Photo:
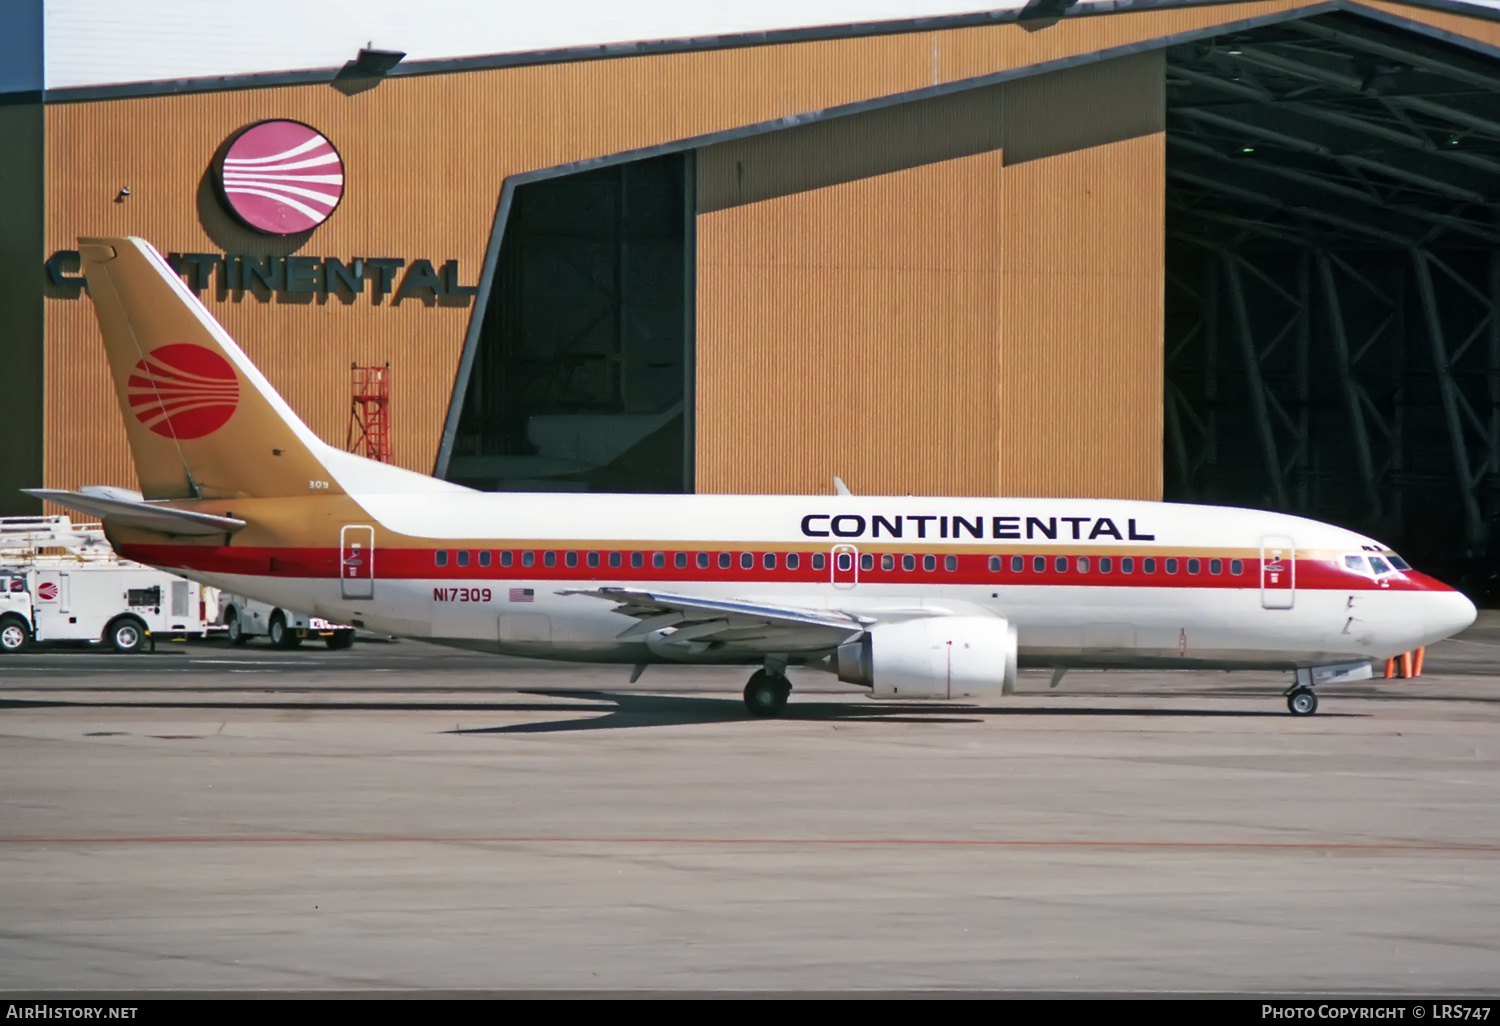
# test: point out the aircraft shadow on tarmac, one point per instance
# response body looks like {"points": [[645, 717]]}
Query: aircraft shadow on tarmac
{"points": [[632, 710], [627, 710]]}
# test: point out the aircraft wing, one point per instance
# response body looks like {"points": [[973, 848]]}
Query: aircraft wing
{"points": [[695, 624], [139, 513]]}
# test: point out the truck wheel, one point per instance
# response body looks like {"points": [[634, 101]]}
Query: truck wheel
{"points": [[127, 634], [237, 635], [281, 635], [14, 637], [339, 639]]}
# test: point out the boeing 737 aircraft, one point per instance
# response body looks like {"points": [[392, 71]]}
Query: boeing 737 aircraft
{"points": [[909, 597]]}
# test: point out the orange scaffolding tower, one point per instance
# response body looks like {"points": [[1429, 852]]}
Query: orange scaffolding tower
{"points": [[370, 412]]}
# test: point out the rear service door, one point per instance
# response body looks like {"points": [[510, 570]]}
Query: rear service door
{"points": [[357, 562], [1278, 572]]}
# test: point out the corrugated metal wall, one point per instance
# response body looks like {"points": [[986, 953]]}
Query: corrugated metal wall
{"points": [[986, 324], [425, 158]]}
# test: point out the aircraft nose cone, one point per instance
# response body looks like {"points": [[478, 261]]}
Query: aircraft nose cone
{"points": [[1450, 613]]}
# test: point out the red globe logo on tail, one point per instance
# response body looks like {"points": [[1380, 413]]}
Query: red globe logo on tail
{"points": [[183, 391]]}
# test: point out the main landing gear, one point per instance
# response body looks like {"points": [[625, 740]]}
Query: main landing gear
{"points": [[766, 693], [1301, 701]]}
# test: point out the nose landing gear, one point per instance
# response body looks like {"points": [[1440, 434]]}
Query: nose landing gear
{"points": [[1301, 701], [766, 693]]}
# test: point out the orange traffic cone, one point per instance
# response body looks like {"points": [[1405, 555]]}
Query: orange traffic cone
{"points": [[1390, 668], [1417, 662], [1406, 664]]}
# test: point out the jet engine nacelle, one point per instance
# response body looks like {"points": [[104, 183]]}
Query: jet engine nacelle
{"points": [[935, 657]]}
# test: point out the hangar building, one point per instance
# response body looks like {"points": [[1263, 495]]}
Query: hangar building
{"points": [[1233, 252]]}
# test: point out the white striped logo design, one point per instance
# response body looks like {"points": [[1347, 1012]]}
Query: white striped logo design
{"points": [[281, 177]]}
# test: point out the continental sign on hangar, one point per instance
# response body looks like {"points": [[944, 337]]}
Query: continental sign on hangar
{"points": [[666, 251]]}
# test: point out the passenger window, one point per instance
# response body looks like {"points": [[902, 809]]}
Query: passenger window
{"points": [[463, 557], [887, 562], [929, 562], [1236, 567], [505, 558], [867, 562], [747, 560], [1216, 566], [658, 559], [994, 564], [844, 561], [1193, 566], [1083, 564], [615, 559], [769, 561], [571, 559], [703, 561], [1039, 564], [1127, 565], [1060, 564], [484, 558], [1017, 564], [1106, 564], [528, 558], [1171, 565], [724, 560], [819, 562], [593, 559], [793, 561], [637, 560], [680, 560], [549, 558], [1148, 565], [440, 557], [950, 563]]}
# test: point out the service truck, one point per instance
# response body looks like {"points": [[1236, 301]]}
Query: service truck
{"points": [[246, 618], [62, 582]]}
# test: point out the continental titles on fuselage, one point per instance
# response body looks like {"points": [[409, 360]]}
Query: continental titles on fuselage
{"points": [[959, 528]]}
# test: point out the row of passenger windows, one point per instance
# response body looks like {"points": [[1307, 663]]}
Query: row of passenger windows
{"points": [[1109, 564], [680, 560], [844, 561]]}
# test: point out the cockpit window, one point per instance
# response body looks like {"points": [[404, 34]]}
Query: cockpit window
{"points": [[1379, 565], [1355, 563], [1397, 562]]}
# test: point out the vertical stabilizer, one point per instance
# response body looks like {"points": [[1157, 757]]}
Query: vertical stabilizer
{"points": [[202, 421]]}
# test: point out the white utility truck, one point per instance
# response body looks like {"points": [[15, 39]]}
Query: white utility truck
{"points": [[246, 618], [62, 582]]}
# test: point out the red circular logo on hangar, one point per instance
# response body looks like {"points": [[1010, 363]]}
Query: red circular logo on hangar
{"points": [[47, 591], [281, 177], [183, 391]]}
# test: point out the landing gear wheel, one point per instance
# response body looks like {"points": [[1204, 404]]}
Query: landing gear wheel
{"points": [[237, 635], [281, 635], [1302, 701], [126, 635], [13, 635], [766, 693]]}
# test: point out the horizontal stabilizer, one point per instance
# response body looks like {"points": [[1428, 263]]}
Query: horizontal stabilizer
{"points": [[148, 516]]}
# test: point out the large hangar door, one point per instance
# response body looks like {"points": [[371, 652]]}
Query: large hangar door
{"points": [[581, 375], [1331, 334]]}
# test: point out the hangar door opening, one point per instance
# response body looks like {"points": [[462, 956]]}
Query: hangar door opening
{"points": [[581, 379], [1332, 342]]}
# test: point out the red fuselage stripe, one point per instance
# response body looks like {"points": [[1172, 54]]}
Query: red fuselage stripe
{"points": [[971, 568]]}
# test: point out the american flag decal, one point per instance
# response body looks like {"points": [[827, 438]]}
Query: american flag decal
{"points": [[281, 177], [522, 595]]}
